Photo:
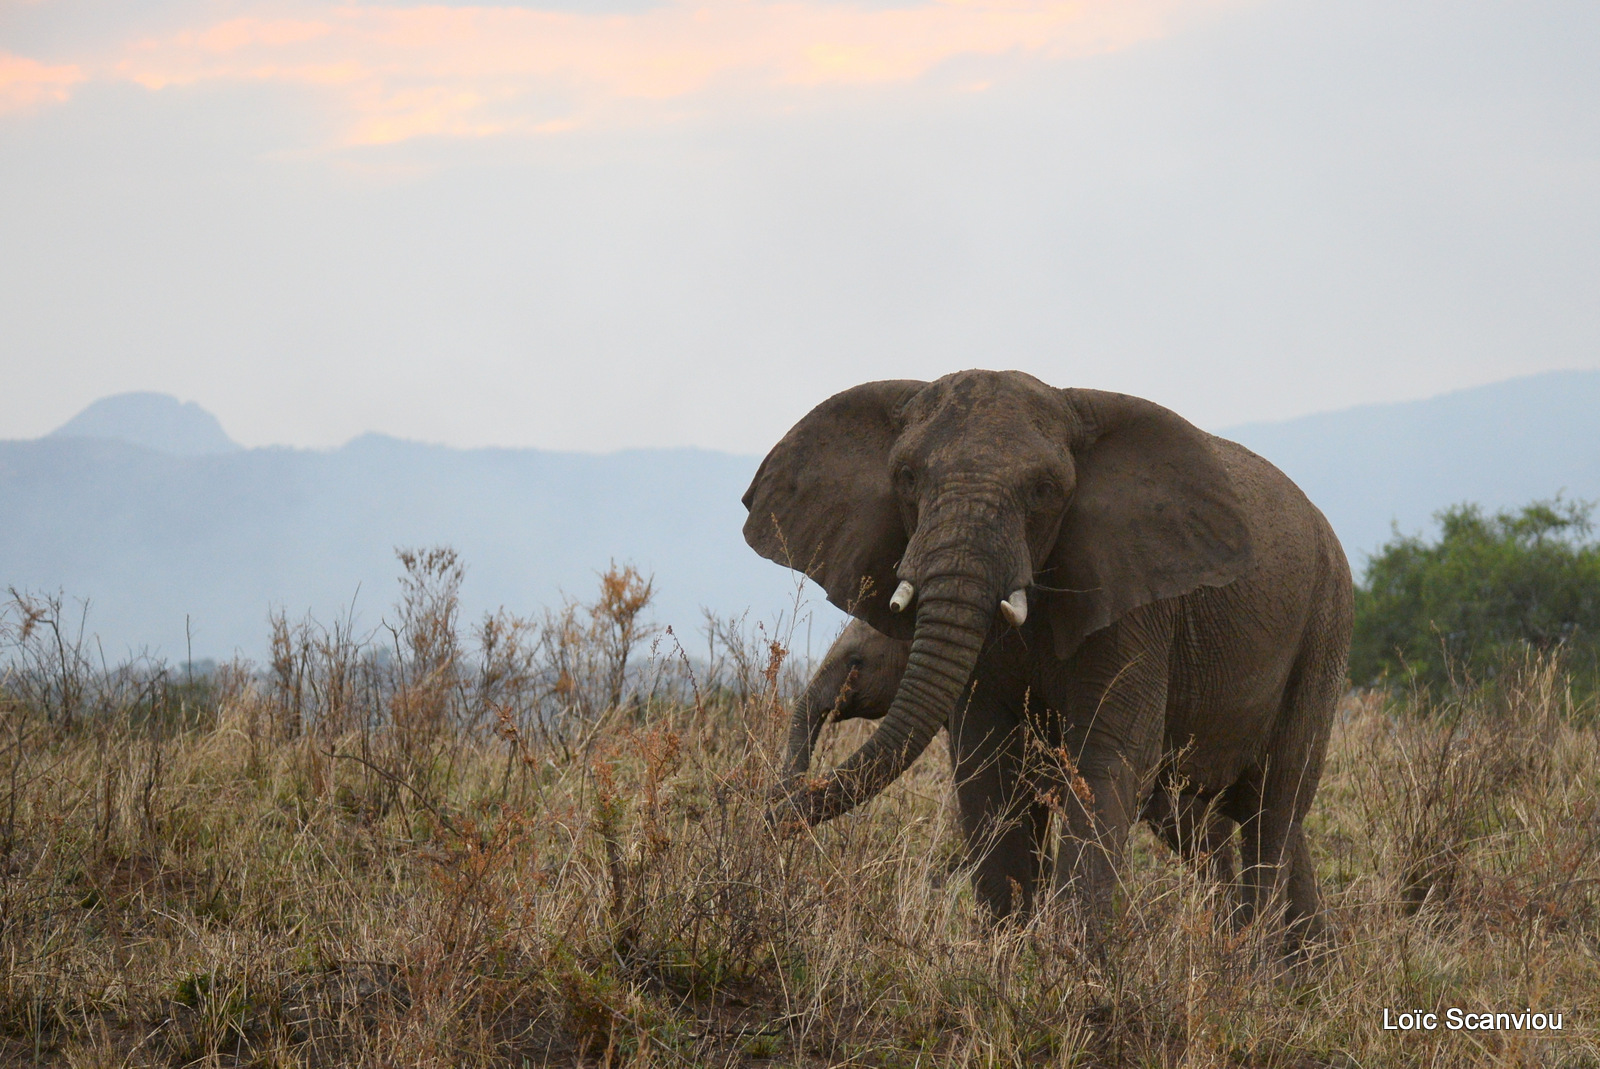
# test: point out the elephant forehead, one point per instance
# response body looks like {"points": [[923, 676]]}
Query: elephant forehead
{"points": [[992, 416]]}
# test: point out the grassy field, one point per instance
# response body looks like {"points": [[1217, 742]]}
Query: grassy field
{"points": [[540, 842]]}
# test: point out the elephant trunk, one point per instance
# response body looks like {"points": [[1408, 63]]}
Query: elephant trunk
{"points": [[825, 694], [954, 612]]}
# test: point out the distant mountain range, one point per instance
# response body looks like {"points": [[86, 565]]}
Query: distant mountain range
{"points": [[145, 507], [202, 528], [1376, 467]]}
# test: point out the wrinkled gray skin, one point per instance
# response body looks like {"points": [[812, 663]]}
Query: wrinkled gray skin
{"points": [[1183, 648]]}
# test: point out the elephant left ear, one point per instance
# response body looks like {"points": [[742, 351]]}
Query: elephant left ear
{"points": [[1155, 515]]}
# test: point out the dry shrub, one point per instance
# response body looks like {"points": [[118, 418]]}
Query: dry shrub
{"points": [[530, 843]]}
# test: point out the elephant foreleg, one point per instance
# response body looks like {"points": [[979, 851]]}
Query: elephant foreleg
{"points": [[1003, 825], [1112, 720], [1095, 812]]}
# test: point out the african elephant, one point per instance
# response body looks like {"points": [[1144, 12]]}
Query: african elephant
{"points": [[1105, 606]]}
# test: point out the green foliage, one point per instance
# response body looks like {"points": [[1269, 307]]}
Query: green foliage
{"points": [[1488, 589]]}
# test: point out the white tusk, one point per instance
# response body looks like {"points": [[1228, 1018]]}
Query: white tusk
{"points": [[902, 596], [1015, 608]]}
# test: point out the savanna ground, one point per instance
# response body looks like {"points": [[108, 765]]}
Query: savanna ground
{"points": [[540, 842]]}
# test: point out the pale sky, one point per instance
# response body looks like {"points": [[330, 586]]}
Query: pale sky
{"points": [[600, 224]]}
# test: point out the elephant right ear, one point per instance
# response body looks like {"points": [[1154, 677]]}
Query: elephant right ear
{"points": [[823, 502]]}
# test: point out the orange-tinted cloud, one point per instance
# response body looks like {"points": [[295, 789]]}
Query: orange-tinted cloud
{"points": [[26, 83], [408, 72]]}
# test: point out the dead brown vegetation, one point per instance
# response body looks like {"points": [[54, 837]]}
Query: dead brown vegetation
{"points": [[540, 842]]}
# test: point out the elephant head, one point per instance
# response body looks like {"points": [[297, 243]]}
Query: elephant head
{"points": [[858, 677], [938, 511]]}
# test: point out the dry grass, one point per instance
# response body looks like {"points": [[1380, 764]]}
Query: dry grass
{"points": [[517, 847]]}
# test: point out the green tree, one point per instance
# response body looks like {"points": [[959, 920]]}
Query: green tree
{"points": [[1489, 588]]}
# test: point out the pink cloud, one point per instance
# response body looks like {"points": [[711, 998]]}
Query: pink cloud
{"points": [[470, 72]]}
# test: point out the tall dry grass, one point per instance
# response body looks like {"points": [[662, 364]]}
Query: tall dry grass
{"points": [[538, 842]]}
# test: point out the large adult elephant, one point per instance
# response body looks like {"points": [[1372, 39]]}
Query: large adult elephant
{"points": [[1105, 606]]}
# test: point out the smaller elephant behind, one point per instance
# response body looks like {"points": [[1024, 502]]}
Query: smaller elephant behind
{"points": [[857, 679]]}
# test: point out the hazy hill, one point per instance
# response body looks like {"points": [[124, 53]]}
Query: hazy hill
{"points": [[156, 420], [222, 534], [150, 536], [1499, 445]]}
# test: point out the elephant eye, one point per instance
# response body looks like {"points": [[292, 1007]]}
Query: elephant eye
{"points": [[1045, 491], [905, 480]]}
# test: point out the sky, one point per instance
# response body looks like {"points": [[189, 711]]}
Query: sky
{"points": [[605, 224]]}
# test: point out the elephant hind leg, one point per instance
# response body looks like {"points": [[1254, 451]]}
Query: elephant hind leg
{"points": [[1306, 925], [1271, 801], [1272, 848]]}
